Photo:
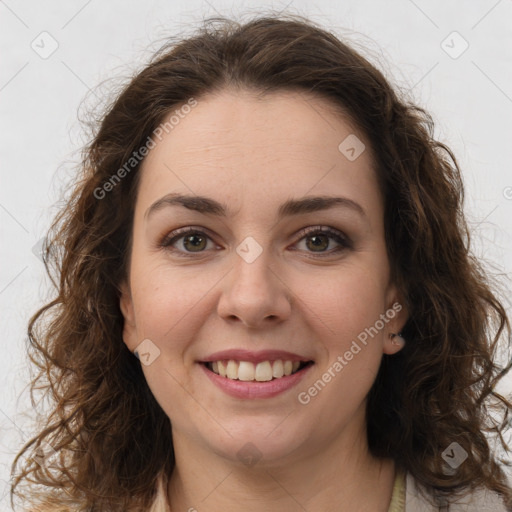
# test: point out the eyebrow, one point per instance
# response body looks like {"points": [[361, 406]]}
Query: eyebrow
{"points": [[209, 206]]}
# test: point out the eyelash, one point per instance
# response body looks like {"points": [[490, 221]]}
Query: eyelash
{"points": [[339, 237]]}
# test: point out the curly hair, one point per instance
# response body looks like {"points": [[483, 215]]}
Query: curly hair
{"points": [[112, 439]]}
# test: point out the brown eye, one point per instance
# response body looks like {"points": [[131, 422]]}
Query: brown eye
{"points": [[185, 241], [194, 242], [318, 239], [318, 242]]}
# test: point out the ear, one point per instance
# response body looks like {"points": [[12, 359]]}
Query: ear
{"points": [[397, 315], [126, 306]]}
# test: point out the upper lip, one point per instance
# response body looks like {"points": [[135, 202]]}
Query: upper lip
{"points": [[254, 357]]}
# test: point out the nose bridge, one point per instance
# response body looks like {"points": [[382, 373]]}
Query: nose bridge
{"points": [[253, 292], [252, 266]]}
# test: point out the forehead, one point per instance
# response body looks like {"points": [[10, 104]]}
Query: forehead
{"points": [[242, 147]]}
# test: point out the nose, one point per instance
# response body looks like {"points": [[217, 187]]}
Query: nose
{"points": [[255, 294]]}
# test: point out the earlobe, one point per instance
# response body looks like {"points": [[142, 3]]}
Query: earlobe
{"points": [[394, 343]]}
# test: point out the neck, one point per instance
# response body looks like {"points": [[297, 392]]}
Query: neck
{"points": [[342, 477]]}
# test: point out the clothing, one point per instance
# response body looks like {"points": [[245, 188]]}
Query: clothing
{"points": [[481, 500], [406, 497], [398, 496]]}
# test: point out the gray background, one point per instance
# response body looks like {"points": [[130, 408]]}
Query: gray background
{"points": [[468, 92]]}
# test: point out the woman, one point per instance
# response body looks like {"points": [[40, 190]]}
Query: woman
{"points": [[266, 297]]}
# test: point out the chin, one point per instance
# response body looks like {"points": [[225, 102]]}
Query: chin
{"points": [[263, 445]]}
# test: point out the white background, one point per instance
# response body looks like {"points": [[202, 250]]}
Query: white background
{"points": [[469, 96]]}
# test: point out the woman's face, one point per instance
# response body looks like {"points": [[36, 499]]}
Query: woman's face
{"points": [[256, 277]]}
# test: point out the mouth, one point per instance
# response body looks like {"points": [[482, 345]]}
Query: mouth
{"points": [[263, 371]]}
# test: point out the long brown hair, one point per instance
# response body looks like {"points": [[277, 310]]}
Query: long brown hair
{"points": [[110, 435]]}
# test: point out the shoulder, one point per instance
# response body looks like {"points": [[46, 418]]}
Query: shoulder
{"points": [[481, 500]]}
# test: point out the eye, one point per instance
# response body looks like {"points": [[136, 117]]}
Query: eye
{"points": [[319, 237], [195, 240]]}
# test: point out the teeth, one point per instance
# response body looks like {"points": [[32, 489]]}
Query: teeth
{"points": [[247, 371], [277, 369], [263, 371], [222, 368], [232, 369]]}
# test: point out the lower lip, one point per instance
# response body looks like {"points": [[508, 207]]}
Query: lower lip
{"points": [[254, 389]]}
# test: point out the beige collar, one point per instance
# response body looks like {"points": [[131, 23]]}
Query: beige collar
{"points": [[479, 501], [482, 500]]}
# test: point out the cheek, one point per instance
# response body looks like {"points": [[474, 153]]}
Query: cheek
{"points": [[166, 298], [170, 311], [347, 309], [345, 302]]}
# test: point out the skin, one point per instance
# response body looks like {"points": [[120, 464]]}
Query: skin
{"points": [[252, 154]]}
